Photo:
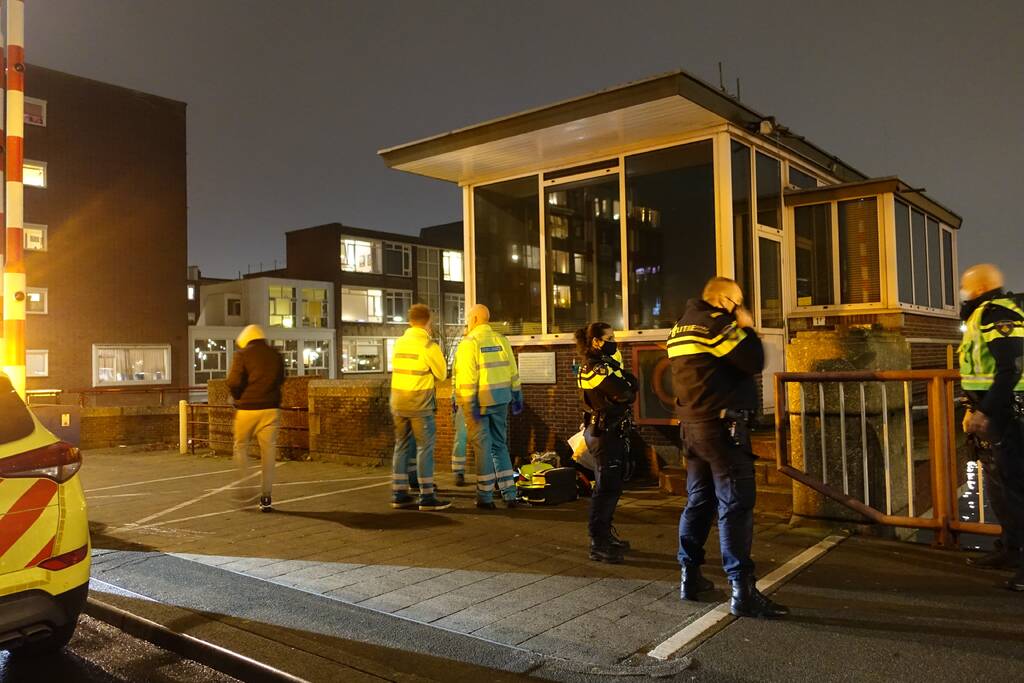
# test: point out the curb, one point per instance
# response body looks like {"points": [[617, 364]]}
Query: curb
{"points": [[189, 647]]}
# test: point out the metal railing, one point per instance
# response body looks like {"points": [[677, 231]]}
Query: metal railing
{"points": [[161, 392], [199, 428], [857, 439]]}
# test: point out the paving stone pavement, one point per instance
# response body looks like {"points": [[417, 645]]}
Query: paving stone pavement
{"points": [[520, 578]]}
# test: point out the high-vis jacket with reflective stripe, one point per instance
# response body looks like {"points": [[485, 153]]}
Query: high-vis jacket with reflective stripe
{"points": [[416, 365], [606, 387], [486, 370], [713, 363], [992, 352]]}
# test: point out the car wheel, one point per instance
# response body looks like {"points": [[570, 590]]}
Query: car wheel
{"points": [[52, 644]]}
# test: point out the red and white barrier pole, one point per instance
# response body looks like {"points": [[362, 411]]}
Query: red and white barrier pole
{"points": [[14, 263], [3, 141]]}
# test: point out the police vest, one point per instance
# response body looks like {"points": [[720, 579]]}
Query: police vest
{"points": [[412, 380], [486, 368], [977, 366]]}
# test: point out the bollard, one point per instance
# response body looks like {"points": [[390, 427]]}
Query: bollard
{"points": [[183, 427]]}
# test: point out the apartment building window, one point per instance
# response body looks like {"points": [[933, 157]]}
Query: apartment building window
{"points": [[289, 350], [34, 237], [282, 306], [362, 354], [127, 364], [191, 317], [924, 259], [362, 305], [396, 305], [37, 363], [428, 277], [210, 359], [36, 300], [316, 356], [454, 309], [190, 292], [359, 256], [234, 307], [34, 173], [35, 112], [314, 307], [397, 259], [451, 266]]}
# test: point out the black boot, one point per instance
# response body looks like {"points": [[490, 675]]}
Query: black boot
{"points": [[692, 583], [999, 558], [616, 542], [603, 551], [747, 601]]}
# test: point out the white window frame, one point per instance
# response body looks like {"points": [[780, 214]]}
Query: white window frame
{"points": [[229, 346], [46, 361], [45, 291], [44, 229], [270, 310], [368, 292], [43, 104], [36, 164], [392, 295], [325, 306], [459, 300], [446, 265], [166, 348], [375, 255], [892, 199], [406, 250], [381, 348], [325, 357], [234, 299]]}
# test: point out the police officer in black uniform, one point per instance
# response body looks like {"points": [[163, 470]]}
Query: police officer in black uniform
{"points": [[991, 359], [608, 392], [715, 354]]}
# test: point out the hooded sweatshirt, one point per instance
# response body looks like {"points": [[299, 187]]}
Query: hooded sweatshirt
{"points": [[257, 372]]}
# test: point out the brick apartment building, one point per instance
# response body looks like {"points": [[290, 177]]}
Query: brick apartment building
{"points": [[105, 235], [376, 276]]}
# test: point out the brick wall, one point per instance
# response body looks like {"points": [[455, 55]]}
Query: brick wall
{"points": [[108, 427], [219, 415]]}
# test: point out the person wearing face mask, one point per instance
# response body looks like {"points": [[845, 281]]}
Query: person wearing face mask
{"points": [[608, 392], [991, 357], [715, 355]]}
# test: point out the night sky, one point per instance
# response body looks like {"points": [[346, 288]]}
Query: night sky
{"points": [[289, 100]]}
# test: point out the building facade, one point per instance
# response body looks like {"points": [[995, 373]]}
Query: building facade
{"points": [[375, 277], [296, 316], [105, 235], [619, 206]]}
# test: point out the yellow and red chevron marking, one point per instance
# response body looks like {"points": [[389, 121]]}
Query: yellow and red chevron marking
{"points": [[28, 522]]}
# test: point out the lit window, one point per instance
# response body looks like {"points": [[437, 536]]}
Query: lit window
{"points": [[34, 173], [117, 364], [451, 262], [190, 291], [361, 305], [35, 111], [396, 305], [562, 296], [362, 354], [289, 350], [314, 307], [560, 261], [34, 237], [316, 356], [210, 359], [35, 300], [282, 306], [234, 307], [37, 363], [389, 352], [397, 259], [359, 256]]}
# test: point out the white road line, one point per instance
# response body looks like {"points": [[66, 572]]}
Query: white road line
{"points": [[720, 612], [154, 481], [118, 495], [278, 485], [136, 527], [174, 508]]}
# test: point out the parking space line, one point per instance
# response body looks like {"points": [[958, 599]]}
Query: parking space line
{"points": [[694, 630], [136, 527], [257, 473], [154, 481]]}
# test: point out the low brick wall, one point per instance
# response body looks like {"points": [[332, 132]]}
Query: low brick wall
{"points": [[293, 438], [129, 426]]}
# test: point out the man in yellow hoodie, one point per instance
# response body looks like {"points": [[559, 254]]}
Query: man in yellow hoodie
{"points": [[417, 365]]}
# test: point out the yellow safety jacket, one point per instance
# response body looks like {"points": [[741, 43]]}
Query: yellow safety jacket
{"points": [[416, 365], [977, 364], [486, 370]]}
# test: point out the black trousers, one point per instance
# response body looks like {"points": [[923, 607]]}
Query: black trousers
{"points": [[609, 451], [1004, 479]]}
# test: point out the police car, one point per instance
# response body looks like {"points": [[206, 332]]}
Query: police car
{"points": [[44, 533]]}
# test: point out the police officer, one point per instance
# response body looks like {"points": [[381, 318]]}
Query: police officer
{"points": [[608, 392], [991, 355], [487, 382], [715, 354], [417, 365]]}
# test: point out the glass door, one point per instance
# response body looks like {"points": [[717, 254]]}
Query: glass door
{"points": [[770, 315], [583, 246]]}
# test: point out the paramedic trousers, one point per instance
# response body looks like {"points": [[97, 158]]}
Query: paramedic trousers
{"points": [[414, 438], [609, 451], [488, 435], [459, 447], [260, 425], [719, 477]]}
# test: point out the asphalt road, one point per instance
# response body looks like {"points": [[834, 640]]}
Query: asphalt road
{"points": [[99, 653]]}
